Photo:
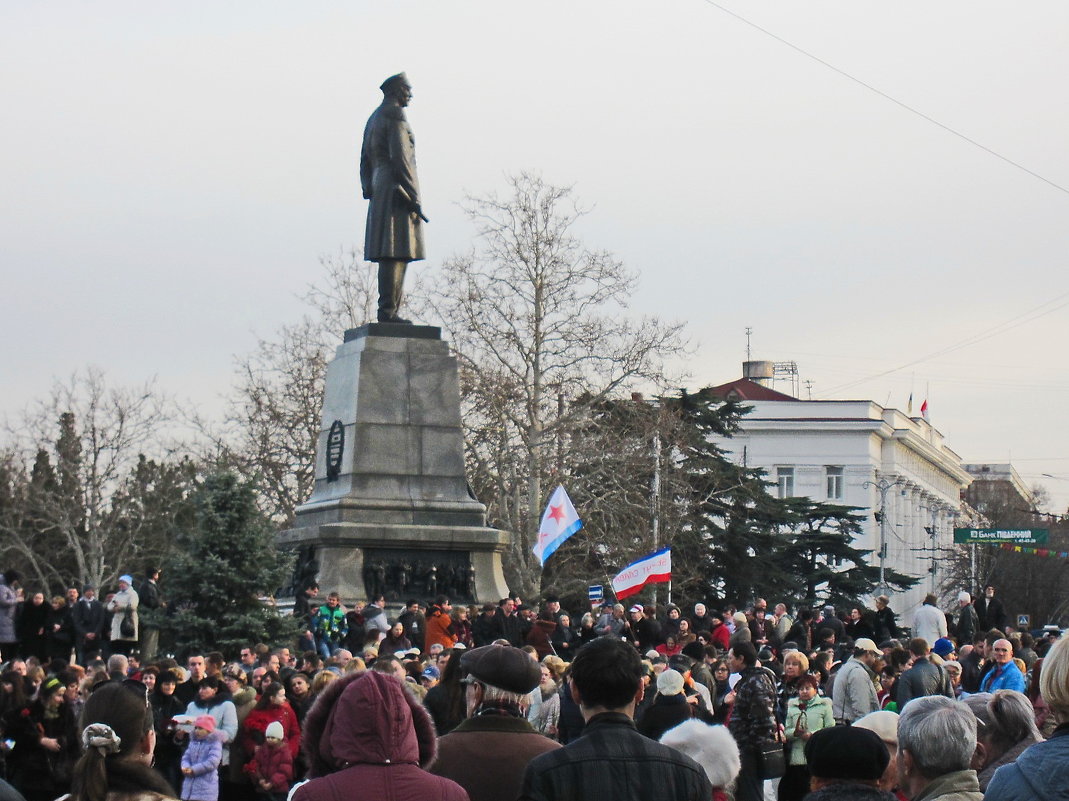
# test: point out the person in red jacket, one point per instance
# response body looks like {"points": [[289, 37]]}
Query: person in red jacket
{"points": [[366, 739], [439, 625], [271, 707], [271, 768]]}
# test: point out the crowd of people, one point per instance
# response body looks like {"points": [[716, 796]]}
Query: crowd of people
{"points": [[515, 700]]}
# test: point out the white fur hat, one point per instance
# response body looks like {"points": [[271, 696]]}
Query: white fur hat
{"points": [[712, 747]]}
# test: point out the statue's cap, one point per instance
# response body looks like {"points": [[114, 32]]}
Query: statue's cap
{"points": [[391, 83]]}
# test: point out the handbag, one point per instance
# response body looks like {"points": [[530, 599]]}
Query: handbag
{"points": [[772, 759], [126, 625]]}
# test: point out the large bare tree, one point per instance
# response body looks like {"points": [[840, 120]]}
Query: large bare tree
{"points": [[540, 326], [102, 491]]}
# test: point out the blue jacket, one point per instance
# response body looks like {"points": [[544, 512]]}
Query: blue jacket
{"points": [[1041, 773], [203, 758], [1011, 678]]}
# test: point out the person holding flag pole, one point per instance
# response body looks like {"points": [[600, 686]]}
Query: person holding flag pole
{"points": [[559, 522]]}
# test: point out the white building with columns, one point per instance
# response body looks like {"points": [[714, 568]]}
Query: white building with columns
{"points": [[857, 453]]}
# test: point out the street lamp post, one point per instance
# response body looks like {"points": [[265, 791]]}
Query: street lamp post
{"points": [[883, 486]]}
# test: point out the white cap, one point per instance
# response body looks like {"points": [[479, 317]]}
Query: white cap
{"points": [[865, 644], [964, 596], [274, 729], [670, 682]]}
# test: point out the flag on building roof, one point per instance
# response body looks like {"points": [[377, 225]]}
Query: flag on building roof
{"points": [[909, 405], [656, 568], [924, 410], [559, 521]]}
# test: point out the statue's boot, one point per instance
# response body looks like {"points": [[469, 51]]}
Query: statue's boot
{"points": [[391, 289]]}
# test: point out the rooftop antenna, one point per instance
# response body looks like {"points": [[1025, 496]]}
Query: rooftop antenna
{"points": [[809, 388], [748, 332]]}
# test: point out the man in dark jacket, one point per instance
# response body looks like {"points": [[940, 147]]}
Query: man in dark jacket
{"points": [[753, 721], [968, 622], [148, 593], [507, 624], [990, 611], [924, 678], [884, 625], [87, 617], [612, 761], [488, 753]]}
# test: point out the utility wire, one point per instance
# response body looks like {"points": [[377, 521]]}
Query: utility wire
{"points": [[1001, 328], [886, 96]]}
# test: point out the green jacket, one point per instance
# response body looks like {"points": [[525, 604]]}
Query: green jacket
{"points": [[330, 624], [816, 716]]}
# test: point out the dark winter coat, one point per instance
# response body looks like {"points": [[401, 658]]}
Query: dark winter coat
{"points": [[88, 618], [613, 762], [483, 629], [565, 642], [508, 627], [487, 756], [668, 711], [753, 721], [32, 627], [365, 739], [924, 678], [60, 632]]}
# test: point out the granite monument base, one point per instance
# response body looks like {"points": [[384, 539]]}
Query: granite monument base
{"points": [[391, 511]]}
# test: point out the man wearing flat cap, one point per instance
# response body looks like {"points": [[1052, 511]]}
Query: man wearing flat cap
{"points": [[488, 753], [846, 763], [394, 233]]}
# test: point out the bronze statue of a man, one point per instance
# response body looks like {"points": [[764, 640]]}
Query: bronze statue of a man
{"points": [[394, 234]]}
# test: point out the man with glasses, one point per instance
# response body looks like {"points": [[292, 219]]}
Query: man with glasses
{"points": [[248, 660], [488, 753]]}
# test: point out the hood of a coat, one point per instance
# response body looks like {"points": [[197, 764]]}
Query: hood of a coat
{"points": [[371, 721]]}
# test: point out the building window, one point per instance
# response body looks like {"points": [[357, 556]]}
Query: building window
{"points": [[785, 481], [835, 483]]}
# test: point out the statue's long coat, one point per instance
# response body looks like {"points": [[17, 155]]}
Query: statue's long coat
{"points": [[388, 179]]}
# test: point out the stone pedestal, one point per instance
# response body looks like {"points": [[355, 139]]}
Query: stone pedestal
{"points": [[391, 509]]}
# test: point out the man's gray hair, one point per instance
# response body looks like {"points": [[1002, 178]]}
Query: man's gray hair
{"points": [[497, 695], [117, 663], [939, 733]]}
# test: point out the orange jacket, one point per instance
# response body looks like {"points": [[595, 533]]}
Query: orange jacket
{"points": [[438, 629]]}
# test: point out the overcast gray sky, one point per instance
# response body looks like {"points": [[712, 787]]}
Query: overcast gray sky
{"points": [[173, 172]]}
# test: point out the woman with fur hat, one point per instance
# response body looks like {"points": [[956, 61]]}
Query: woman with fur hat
{"points": [[366, 738]]}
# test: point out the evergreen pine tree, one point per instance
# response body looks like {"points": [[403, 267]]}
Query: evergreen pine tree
{"points": [[221, 571]]}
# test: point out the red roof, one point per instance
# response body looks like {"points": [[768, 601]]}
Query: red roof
{"points": [[745, 389]]}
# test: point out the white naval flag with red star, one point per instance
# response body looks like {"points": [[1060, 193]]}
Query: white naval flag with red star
{"points": [[559, 521]]}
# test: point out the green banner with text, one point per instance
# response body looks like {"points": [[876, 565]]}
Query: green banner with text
{"points": [[1017, 536]]}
